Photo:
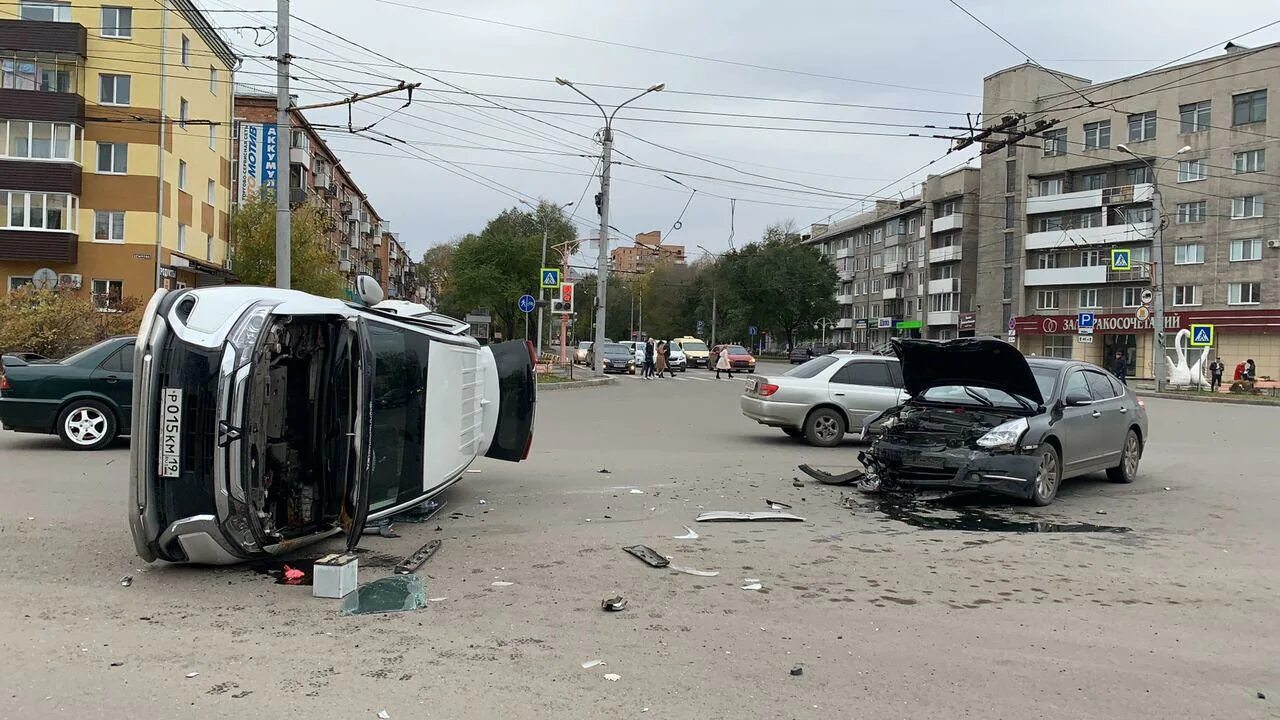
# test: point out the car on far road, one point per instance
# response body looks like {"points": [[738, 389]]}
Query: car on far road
{"points": [[806, 353], [695, 351], [980, 416], [739, 357], [617, 358], [86, 399], [583, 350], [826, 397]]}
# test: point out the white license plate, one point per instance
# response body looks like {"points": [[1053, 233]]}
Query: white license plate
{"points": [[170, 431]]}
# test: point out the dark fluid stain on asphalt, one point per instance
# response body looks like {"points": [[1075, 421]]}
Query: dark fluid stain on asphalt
{"points": [[279, 569], [948, 514]]}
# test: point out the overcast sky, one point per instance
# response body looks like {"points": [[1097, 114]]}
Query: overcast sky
{"points": [[936, 54]]}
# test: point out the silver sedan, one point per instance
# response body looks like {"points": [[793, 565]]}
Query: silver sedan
{"points": [[825, 397]]}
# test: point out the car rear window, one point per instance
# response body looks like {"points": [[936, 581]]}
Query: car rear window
{"points": [[694, 346], [1099, 386], [813, 367]]}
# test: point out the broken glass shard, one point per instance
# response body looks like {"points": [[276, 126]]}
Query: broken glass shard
{"points": [[398, 593]]}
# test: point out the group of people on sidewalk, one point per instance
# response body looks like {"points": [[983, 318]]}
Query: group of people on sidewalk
{"points": [[657, 359], [1246, 373]]}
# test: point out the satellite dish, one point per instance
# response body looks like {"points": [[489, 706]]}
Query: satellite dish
{"points": [[45, 279]]}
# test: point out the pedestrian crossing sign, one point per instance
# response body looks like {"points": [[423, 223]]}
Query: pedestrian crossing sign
{"points": [[550, 278], [1201, 335], [1121, 259]]}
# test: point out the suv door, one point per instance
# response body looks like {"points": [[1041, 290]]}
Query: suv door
{"points": [[1112, 422], [1080, 429], [114, 378], [863, 387]]}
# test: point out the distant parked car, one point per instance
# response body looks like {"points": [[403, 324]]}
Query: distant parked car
{"points": [[695, 351], [739, 357], [86, 399], [616, 357], [580, 354], [805, 353]]}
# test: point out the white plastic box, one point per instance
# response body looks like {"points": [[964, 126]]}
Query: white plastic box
{"points": [[334, 576]]}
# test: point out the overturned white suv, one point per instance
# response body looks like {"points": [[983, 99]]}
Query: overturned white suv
{"points": [[266, 419]]}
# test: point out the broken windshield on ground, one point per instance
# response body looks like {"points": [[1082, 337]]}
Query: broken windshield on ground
{"points": [[398, 593]]}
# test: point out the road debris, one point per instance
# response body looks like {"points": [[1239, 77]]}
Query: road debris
{"points": [[775, 505], [126, 581], [797, 671], [691, 571], [382, 528], [335, 575], [753, 586], [635, 491], [1262, 695], [796, 482], [421, 512], [736, 516], [591, 663], [293, 576], [437, 599], [603, 471], [415, 561], [648, 555], [384, 715], [612, 677], [849, 478], [484, 502], [192, 675], [398, 593], [474, 470], [501, 583], [614, 604], [689, 534]]}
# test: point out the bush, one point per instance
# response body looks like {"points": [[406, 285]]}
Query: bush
{"points": [[57, 323]]}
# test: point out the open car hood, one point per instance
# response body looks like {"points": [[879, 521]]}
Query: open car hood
{"points": [[976, 362]]}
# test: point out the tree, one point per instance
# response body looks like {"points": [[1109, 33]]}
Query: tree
{"points": [[435, 273], [313, 268], [57, 323]]}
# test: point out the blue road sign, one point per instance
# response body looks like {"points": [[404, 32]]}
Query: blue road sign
{"points": [[1121, 259], [527, 303], [550, 278], [751, 329], [1202, 335], [1084, 322]]}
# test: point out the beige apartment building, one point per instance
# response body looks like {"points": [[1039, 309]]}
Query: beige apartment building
{"points": [[647, 252], [1203, 134]]}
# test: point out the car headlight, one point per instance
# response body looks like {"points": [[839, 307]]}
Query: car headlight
{"points": [[245, 333], [1004, 436]]}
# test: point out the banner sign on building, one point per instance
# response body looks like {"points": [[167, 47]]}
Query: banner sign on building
{"points": [[258, 162]]}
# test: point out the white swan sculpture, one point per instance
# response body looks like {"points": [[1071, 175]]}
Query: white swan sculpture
{"points": [[1181, 373]]}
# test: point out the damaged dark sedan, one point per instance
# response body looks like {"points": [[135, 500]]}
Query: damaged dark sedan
{"points": [[982, 417]]}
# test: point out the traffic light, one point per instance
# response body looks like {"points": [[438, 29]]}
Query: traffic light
{"points": [[563, 305], [599, 203]]}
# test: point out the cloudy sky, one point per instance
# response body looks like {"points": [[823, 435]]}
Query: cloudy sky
{"points": [[919, 63]]}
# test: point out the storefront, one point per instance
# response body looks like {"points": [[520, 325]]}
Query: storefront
{"points": [[1239, 335]]}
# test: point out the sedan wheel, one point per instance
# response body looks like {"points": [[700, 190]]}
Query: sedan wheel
{"points": [[824, 428], [1048, 476], [1127, 470], [86, 425]]}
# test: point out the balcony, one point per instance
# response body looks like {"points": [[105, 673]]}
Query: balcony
{"points": [[945, 254], [39, 246], [1138, 274], [954, 221], [1085, 199], [1094, 274], [892, 240], [843, 252], [895, 266], [53, 37], [844, 323], [300, 155], [344, 266], [945, 285], [942, 317], [1077, 237], [892, 293], [844, 299]]}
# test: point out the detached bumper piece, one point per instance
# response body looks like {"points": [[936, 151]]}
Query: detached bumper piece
{"points": [[894, 465]]}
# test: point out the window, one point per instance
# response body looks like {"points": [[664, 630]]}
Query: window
{"points": [[208, 247], [1051, 186], [945, 302], [1091, 258], [1089, 298], [877, 235], [1055, 142], [39, 211], [107, 293], [877, 260], [1248, 161], [213, 142], [1186, 295], [26, 140], [108, 226], [184, 112], [186, 51], [1247, 293], [1192, 212], [113, 158], [1142, 126], [1132, 297], [1250, 107], [1094, 181], [1140, 255], [117, 22], [875, 286], [1137, 175], [1047, 299], [1100, 386], [1047, 261], [34, 72], [1249, 206], [45, 10], [1195, 116], [213, 80], [114, 89], [1244, 250], [1136, 215], [182, 174], [209, 190], [1087, 220], [1010, 219], [120, 361], [950, 207], [1011, 176], [1188, 254], [1048, 223], [1097, 135], [1011, 150], [1058, 346], [298, 139], [1191, 170], [182, 237], [863, 373]]}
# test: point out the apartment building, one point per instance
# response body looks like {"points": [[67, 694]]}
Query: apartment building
{"points": [[355, 232], [115, 155], [1202, 134], [906, 268], [647, 252]]}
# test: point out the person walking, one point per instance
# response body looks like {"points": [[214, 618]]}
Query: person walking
{"points": [[723, 364], [1120, 367], [660, 358], [1216, 368], [648, 359]]}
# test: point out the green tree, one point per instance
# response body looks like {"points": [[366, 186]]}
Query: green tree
{"points": [[435, 273], [57, 323], [313, 268]]}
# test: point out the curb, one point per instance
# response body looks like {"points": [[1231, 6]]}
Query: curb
{"points": [[576, 384], [1228, 399]]}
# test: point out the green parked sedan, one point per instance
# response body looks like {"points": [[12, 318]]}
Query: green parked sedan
{"points": [[85, 399]]}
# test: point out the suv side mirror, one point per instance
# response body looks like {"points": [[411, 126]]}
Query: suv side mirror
{"points": [[368, 290], [1077, 400]]}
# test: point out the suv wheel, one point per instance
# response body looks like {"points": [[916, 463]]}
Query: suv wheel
{"points": [[824, 428], [1127, 470], [1048, 475], [86, 425]]}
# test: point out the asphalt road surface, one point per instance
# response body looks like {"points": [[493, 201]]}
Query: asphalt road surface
{"points": [[1180, 617]]}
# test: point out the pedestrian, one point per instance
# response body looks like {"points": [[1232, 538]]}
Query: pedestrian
{"points": [[660, 358], [1216, 368], [648, 359], [1120, 367], [722, 362], [1250, 370], [666, 358]]}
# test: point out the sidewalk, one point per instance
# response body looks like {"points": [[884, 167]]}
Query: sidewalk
{"points": [[1147, 388]]}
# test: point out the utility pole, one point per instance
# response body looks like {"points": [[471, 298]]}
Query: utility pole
{"points": [[542, 292], [602, 261], [713, 318], [283, 225]]}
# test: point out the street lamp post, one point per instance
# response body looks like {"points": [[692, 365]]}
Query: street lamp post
{"points": [[542, 292], [602, 262], [1157, 276]]}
